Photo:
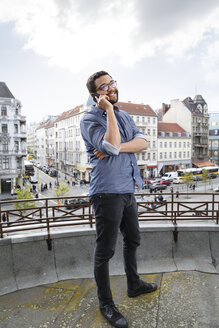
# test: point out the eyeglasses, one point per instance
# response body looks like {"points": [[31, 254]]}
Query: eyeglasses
{"points": [[105, 87]]}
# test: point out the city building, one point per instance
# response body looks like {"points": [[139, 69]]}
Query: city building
{"points": [[214, 138], [174, 147], [12, 140], [192, 116], [146, 120]]}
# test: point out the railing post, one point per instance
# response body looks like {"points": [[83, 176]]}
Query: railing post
{"points": [[49, 243], [90, 215], [172, 201]]}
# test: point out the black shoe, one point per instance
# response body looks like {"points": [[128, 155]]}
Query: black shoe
{"points": [[113, 316], [143, 289]]}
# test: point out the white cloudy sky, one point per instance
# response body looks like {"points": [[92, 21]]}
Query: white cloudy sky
{"points": [[157, 50]]}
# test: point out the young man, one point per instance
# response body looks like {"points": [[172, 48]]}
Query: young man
{"points": [[111, 138]]}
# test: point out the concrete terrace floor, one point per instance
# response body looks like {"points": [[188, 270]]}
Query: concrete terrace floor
{"points": [[184, 299]]}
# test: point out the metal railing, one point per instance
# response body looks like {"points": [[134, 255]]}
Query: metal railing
{"points": [[47, 214]]}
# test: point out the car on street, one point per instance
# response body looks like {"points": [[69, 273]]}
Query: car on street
{"points": [[216, 189], [165, 182], [76, 202], [178, 180], [212, 176], [157, 186]]}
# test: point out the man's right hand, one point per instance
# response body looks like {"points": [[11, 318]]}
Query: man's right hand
{"points": [[103, 102], [99, 155]]}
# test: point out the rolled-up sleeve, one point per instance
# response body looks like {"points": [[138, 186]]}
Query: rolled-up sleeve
{"points": [[93, 134], [136, 131]]}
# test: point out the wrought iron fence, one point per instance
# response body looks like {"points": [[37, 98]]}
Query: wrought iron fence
{"points": [[52, 213]]}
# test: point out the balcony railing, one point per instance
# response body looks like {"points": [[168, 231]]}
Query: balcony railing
{"points": [[47, 214]]}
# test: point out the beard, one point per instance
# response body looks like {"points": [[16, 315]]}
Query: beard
{"points": [[116, 100]]}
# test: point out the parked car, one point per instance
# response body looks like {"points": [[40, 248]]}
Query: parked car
{"points": [[75, 202], [216, 189], [178, 180], [53, 173], [213, 176], [165, 182], [169, 176], [157, 186]]}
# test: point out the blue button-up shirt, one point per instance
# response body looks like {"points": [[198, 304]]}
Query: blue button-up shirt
{"points": [[118, 172]]}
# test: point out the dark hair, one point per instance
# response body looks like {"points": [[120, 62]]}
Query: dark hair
{"points": [[90, 82]]}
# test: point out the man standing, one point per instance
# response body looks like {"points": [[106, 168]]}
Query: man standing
{"points": [[111, 138]]}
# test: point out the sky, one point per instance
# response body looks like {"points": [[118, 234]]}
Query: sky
{"points": [[156, 50]]}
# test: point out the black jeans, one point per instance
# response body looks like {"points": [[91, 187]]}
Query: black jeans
{"points": [[114, 212]]}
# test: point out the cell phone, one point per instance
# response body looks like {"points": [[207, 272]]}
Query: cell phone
{"points": [[94, 95]]}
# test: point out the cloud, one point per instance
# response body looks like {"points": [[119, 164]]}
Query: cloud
{"points": [[74, 34]]}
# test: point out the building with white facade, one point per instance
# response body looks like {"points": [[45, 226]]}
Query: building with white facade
{"points": [[192, 116], [12, 140], [146, 120], [174, 147], [214, 138]]}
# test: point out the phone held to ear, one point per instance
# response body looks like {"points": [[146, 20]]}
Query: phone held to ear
{"points": [[94, 96]]}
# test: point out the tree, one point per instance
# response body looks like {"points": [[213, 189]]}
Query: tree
{"points": [[188, 179], [24, 194], [62, 189], [205, 177]]}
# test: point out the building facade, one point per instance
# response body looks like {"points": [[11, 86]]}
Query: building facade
{"points": [[192, 116], [214, 138], [12, 140], [174, 147]]}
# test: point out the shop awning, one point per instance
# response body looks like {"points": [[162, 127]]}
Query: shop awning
{"points": [[202, 164], [151, 166]]}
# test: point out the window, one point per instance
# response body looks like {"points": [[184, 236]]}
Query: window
{"points": [[4, 128], [16, 146], [161, 144], [142, 156], [149, 120], [16, 111], [154, 144], [165, 144], [170, 154], [188, 154], [161, 155], [165, 155], [154, 132], [180, 144], [175, 144], [149, 132], [137, 119], [149, 144], [5, 163], [184, 154], [3, 111], [143, 130], [175, 154], [184, 144], [187, 143], [180, 154], [149, 156], [154, 156], [5, 147], [170, 144], [154, 121], [16, 128], [142, 118]]}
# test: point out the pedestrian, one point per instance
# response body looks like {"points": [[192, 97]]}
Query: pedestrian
{"points": [[193, 187], [111, 139], [171, 190], [12, 191], [3, 217], [177, 194], [50, 185], [68, 182], [42, 187]]}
